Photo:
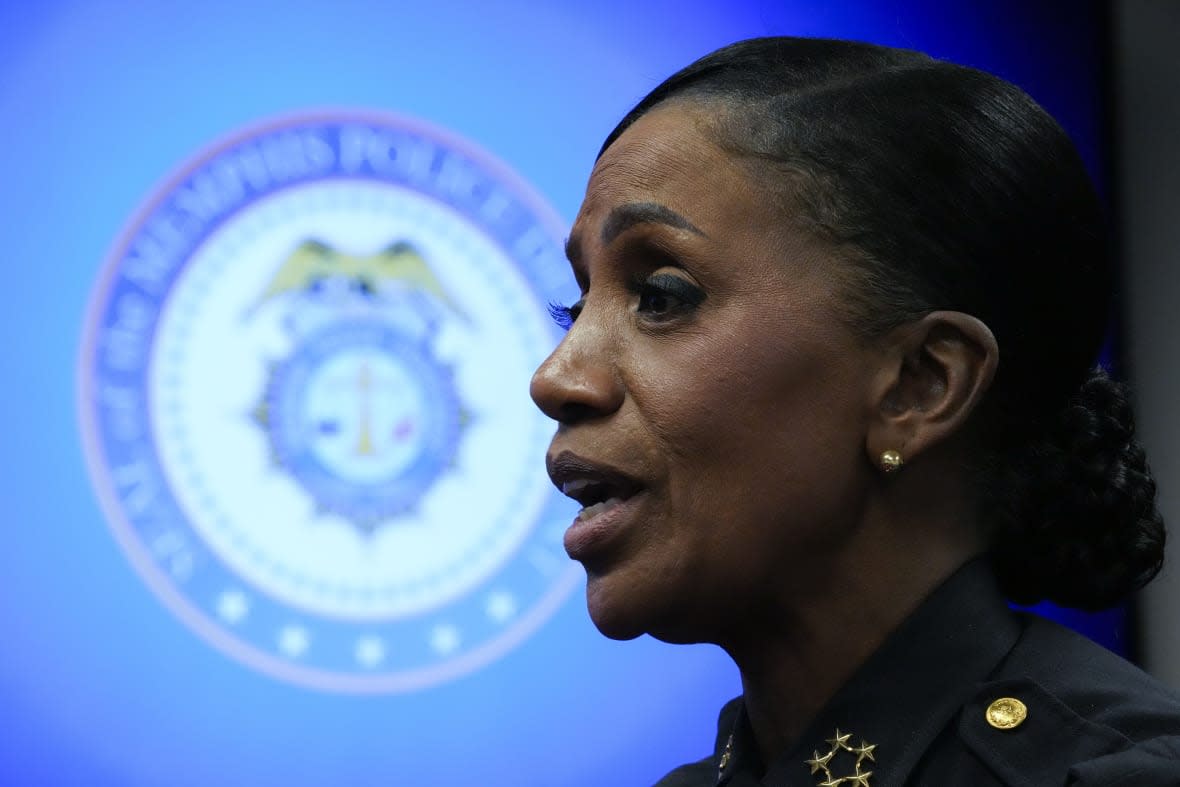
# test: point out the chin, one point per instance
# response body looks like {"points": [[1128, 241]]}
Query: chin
{"points": [[618, 621], [625, 615]]}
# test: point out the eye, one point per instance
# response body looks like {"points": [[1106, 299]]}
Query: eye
{"points": [[564, 315], [664, 295]]}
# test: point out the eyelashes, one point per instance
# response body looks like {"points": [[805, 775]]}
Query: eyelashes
{"points": [[564, 315], [659, 298]]}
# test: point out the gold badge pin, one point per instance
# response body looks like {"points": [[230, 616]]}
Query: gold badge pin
{"points": [[1006, 713], [821, 765]]}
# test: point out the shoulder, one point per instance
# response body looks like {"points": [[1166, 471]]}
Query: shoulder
{"points": [[1092, 682], [1063, 710]]}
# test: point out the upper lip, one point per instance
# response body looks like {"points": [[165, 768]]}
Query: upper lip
{"points": [[587, 481]]}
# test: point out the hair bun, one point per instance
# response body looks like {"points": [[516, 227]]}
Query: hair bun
{"points": [[1074, 509]]}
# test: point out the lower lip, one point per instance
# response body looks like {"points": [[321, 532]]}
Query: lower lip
{"points": [[589, 537]]}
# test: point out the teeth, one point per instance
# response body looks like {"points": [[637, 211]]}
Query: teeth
{"points": [[589, 512], [573, 488]]}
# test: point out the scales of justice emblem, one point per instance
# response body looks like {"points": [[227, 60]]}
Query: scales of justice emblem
{"points": [[361, 413], [303, 398]]}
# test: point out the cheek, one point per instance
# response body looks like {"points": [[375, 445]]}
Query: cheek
{"points": [[768, 431], [748, 397]]}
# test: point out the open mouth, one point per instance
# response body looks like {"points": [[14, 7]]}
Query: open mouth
{"points": [[597, 487], [595, 497]]}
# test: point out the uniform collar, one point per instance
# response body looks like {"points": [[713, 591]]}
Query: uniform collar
{"points": [[897, 702]]}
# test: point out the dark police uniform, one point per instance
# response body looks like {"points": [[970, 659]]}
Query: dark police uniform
{"points": [[968, 692]]}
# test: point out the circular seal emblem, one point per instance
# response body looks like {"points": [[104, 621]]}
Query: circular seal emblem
{"points": [[303, 400]]}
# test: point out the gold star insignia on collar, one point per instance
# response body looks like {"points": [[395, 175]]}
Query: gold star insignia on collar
{"points": [[822, 764], [858, 779], [817, 762], [864, 752]]}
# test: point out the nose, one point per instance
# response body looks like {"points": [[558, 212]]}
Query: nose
{"points": [[579, 380]]}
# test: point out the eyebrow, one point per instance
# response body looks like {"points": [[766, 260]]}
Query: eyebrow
{"points": [[631, 214], [624, 217]]}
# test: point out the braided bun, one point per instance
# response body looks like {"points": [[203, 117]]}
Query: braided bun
{"points": [[1074, 510]]}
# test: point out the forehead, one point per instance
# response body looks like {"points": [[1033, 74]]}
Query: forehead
{"points": [[668, 156], [739, 209]]}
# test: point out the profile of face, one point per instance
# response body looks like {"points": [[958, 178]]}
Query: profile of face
{"points": [[711, 400]]}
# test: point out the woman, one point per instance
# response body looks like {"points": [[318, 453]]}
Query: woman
{"points": [[829, 397]]}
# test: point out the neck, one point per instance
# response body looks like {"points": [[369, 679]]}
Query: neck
{"points": [[799, 655]]}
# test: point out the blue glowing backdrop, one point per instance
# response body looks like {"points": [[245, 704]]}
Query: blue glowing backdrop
{"points": [[275, 505]]}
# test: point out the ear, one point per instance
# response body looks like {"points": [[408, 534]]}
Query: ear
{"points": [[937, 372]]}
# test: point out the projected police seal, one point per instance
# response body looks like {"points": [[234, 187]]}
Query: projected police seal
{"points": [[303, 393]]}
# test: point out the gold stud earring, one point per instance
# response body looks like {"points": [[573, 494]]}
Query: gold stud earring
{"points": [[891, 461]]}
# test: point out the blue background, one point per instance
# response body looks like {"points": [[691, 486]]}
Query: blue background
{"points": [[99, 683]]}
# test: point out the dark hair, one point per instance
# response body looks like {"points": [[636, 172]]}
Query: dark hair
{"points": [[949, 188]]}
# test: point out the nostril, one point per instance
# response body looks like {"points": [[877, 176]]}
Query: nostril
{"points": [[561, 401], [575, 412], [570, 400]]}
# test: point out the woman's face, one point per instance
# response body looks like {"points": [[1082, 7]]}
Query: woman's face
{"points": [[711, 402]]}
